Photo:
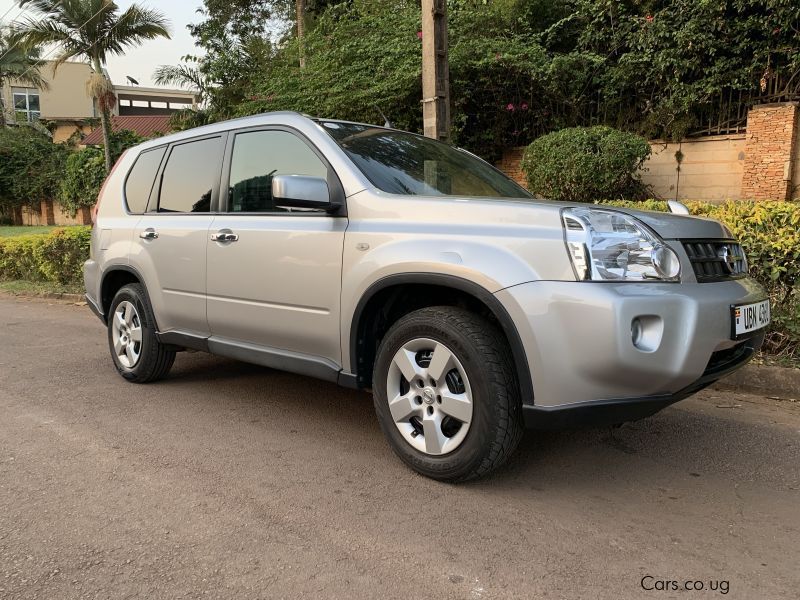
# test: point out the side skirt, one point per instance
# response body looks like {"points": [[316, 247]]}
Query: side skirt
{"points": [[274, 358]]}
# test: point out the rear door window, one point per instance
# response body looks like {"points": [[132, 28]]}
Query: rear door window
{"points": [[189, 176], [140, 179]]}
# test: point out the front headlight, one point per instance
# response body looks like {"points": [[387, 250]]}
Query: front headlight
{"points": [[606, 245]]}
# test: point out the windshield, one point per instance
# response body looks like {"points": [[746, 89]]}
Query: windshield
{"points": [[404, 163]]}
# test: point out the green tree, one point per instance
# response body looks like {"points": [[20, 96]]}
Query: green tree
{"points": [[92, 29], [84, 171], [31, 168], [19, 64]]}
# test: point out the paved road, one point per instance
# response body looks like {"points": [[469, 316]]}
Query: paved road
{"points": [[234, 481]]}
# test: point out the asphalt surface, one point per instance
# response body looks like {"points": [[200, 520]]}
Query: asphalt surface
{"points": [[234, 481]]}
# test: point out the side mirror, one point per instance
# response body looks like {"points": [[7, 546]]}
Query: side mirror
{"points": [[300, 191]]}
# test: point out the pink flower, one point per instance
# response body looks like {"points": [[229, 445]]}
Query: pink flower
{"points": [[523, 106], [649, 18], [510, 107], [419, 35]]}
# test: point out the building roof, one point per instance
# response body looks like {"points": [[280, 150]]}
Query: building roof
{"points": [[145, 126]]}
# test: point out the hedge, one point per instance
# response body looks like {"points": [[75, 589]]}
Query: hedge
{"points": [[56, 257], [769, 232]]}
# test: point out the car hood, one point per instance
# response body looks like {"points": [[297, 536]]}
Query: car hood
{"points": [[667, 225], [672, 226]]}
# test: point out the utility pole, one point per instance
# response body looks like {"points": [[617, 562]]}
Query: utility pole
{"points": [[435, 70], [300, 12]]}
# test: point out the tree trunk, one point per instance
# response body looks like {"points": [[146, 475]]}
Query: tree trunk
{"points": [[105, 120], [300, 10]]}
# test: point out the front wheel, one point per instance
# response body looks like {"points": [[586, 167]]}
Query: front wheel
{"points": [[445, 393], [135, 349]]}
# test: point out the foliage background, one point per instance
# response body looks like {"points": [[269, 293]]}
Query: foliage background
{"points": [[31, 167], [519, 68], [85, 171]]}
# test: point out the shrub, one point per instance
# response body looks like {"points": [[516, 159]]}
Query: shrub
{"points": [[62, 253], [581, 163], [56, 257], [85, 171], [769, 232], [83, 177]]}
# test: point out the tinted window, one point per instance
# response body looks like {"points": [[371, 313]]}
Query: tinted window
{"points": [[189, 176], [257, 157], [404, 163], [141, 178]]}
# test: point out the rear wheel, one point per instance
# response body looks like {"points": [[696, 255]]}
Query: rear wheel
{"points": [[135, 349], [445, 394]]}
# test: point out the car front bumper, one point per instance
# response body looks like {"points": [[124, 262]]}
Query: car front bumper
{"points": [[584, 365]]}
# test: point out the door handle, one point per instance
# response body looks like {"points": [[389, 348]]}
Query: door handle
{"points": [[224, 235], [149, 234]]}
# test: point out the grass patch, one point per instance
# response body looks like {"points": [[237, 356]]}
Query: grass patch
{"points": [[15, 230], [20, 287]]}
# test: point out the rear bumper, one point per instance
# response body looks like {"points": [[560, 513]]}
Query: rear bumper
{"points": [[598, 413]]}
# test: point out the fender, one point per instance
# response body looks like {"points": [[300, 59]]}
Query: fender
{"points": [[463, 285], [120, 267]]}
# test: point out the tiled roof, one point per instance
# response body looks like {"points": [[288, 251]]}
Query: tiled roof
{"points": [[145, 126]]}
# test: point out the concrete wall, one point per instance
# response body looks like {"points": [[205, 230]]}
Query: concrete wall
{"points": [[51, 213], [66, 96], [794, 191], [711, 168], [65, 129]]}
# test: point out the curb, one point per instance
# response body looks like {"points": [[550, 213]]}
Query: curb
{"points": [[780, 382], [47, 296]]}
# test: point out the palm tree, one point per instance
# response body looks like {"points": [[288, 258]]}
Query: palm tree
{"points": [[186, 76], [95, 30], [183, 75], [18, 64]]}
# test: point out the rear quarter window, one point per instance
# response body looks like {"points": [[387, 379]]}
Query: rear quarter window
{"points": [[141, 178]]}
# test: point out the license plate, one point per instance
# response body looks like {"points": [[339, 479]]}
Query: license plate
{"points": [[749, 317]]}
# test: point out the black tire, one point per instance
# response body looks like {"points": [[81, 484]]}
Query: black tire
{"points": [[496, 427], [155, 359]]}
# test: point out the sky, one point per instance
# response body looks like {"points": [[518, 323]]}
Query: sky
{"points": [[140, 62]]}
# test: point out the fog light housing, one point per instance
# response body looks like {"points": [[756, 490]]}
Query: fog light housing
{"points": [[647, 332]]}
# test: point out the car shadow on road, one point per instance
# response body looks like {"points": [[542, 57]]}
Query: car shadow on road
{"points": [[681, 440]]}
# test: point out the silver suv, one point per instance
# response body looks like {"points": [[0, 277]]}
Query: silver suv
{"points": [[385, 261]]}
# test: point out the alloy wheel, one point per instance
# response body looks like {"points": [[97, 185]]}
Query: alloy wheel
{"points": [[126, 334]]}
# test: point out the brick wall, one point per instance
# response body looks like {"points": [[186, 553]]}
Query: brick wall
{"points": [[511, 164], [769, 151]]}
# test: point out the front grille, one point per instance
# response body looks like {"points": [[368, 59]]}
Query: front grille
{"points": [[716, 260]]}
